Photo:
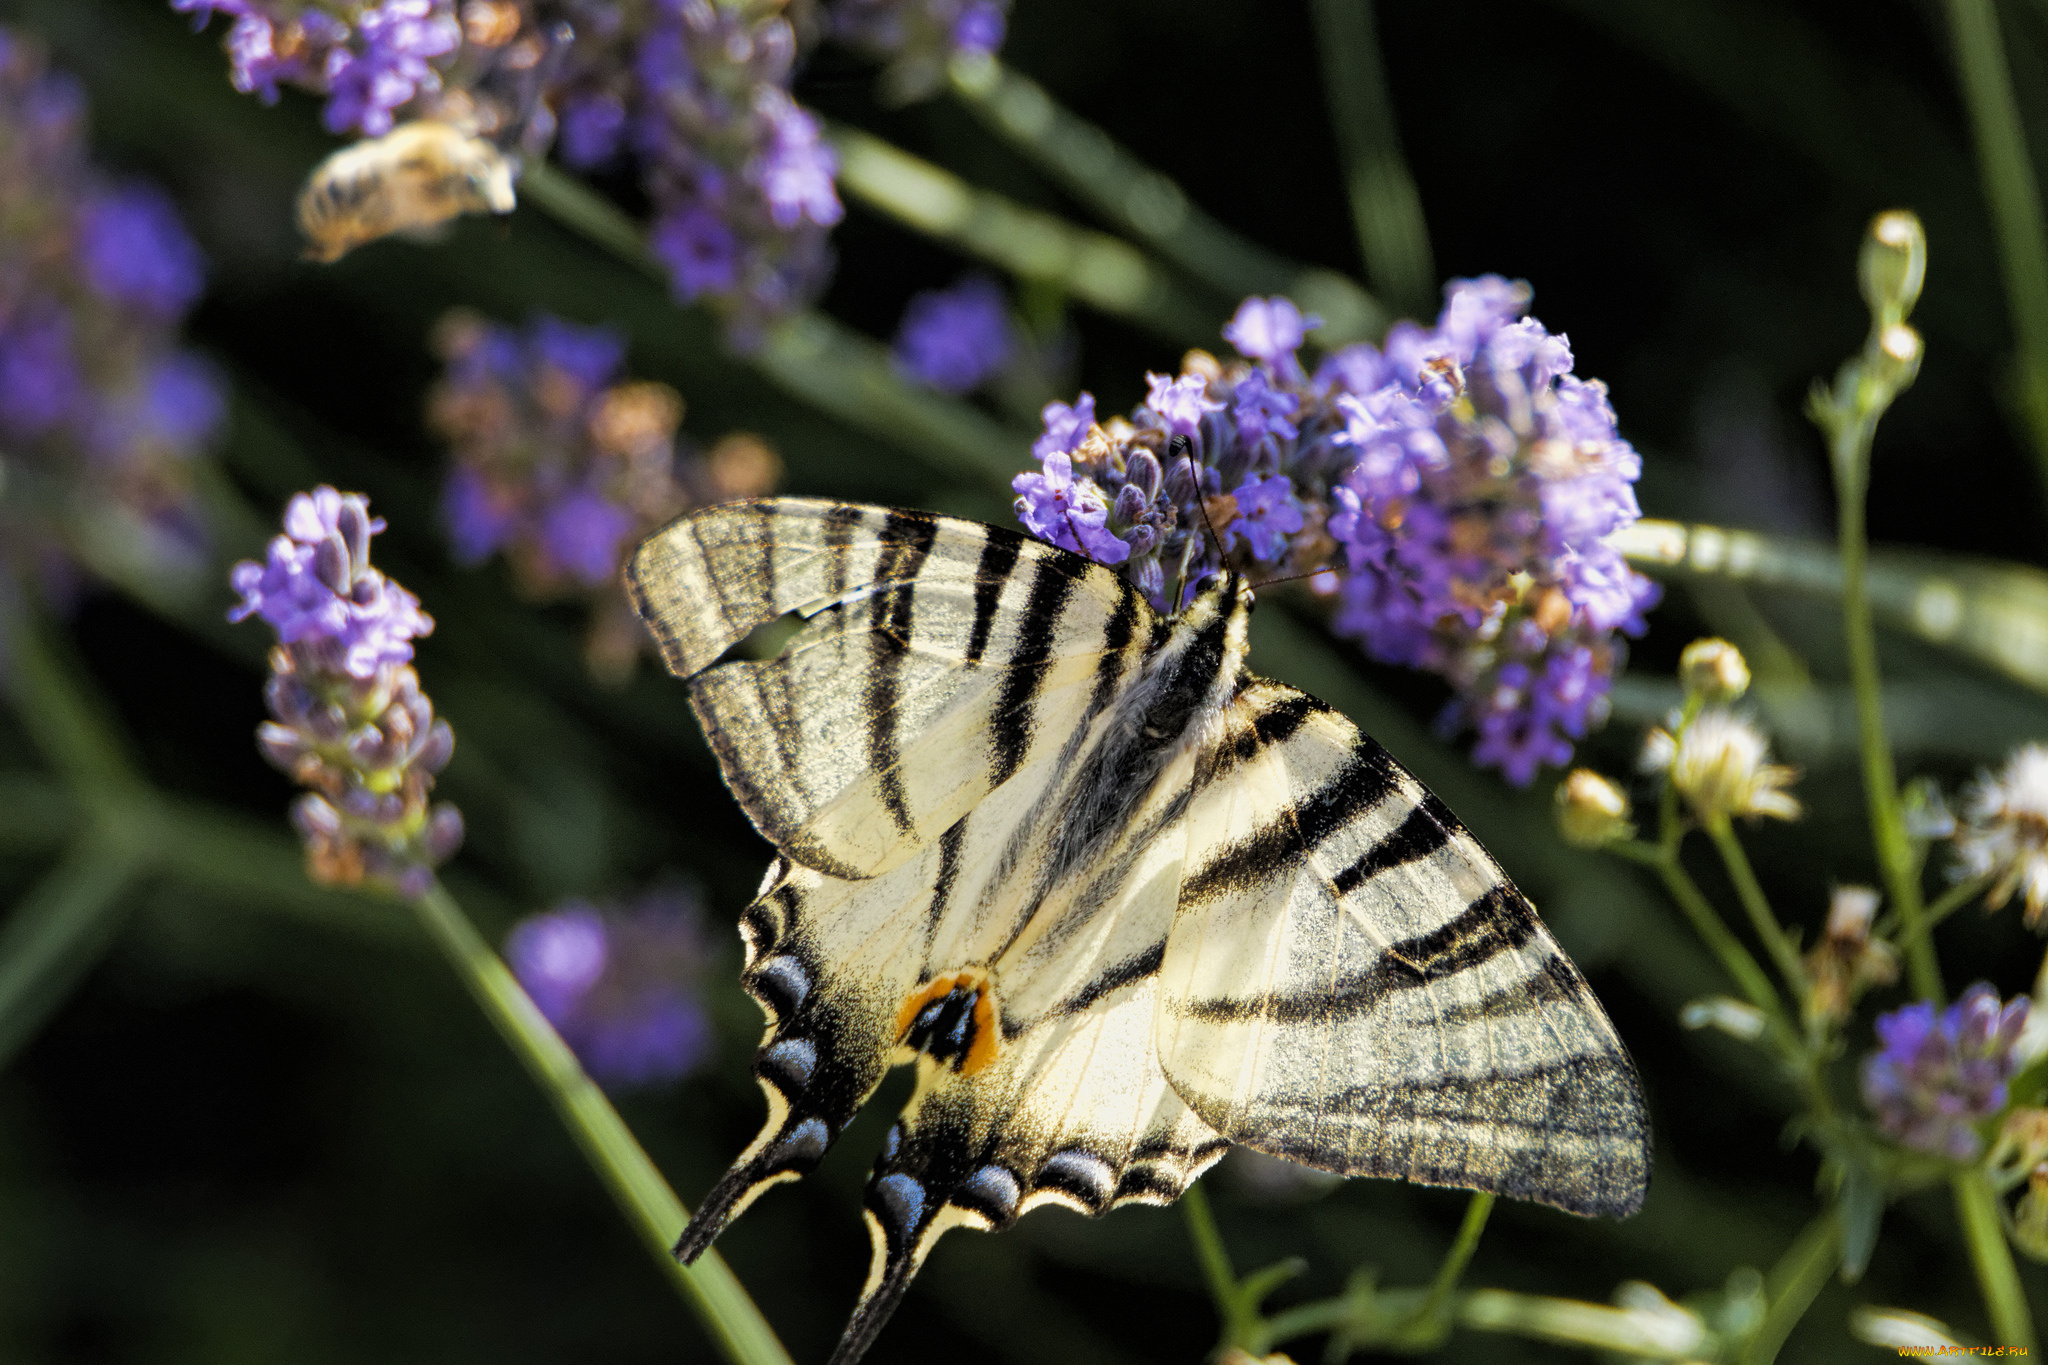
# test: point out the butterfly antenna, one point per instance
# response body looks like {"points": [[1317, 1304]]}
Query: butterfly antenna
{"points": [[1185, 448]]}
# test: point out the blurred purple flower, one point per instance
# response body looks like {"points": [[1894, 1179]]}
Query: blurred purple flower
{"points": [[620, 985], [562, 463], [1942, 1071], [956, 339], [1271, 330], [96, 397], [134, 251]]}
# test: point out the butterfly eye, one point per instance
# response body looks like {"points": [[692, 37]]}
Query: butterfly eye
{"points": [[1208, 583]]}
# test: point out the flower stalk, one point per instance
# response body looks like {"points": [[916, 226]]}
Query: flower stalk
{"points": [[641, 1193], [1893, 266]]}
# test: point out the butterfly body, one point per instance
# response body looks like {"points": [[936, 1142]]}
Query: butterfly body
{"points": [[1120, 901]]}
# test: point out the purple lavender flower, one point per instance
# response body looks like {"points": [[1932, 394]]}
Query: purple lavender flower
{"points": [[389, 64], [316, 588], [40, 381], [702, 253], [741, 181], [1179, 404], [1067, 511], [1462, 479], [371, 64], [1267, 514], [593, 129], [1942, 1071], [619, 985], [956, 339], [585, 532], [1065, 427], [348, 718], [96, 399], [1271, 330]]}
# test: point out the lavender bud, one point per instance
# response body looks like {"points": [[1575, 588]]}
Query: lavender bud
{"points": [[1144, 474], [1130, 505], [315, 819], [444, 832], [282, 746], [435, 751]]}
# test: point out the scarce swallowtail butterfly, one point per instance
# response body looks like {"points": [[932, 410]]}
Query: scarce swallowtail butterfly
{"points": [[1121, 902]]}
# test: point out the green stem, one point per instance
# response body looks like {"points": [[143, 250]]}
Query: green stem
{"points": [[2012, 1324], [2014, 199], [1795, 1281], [1214, 1259], [63, 713], [1436, 1306], [1736, 960], [58, 930], [1944, 905], [1386, 211], [1850, 440], [1103, 271], [614, 1153], [1757, 905]]}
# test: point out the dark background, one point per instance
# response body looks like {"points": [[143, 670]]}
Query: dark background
{"points": [[250, 1137]]}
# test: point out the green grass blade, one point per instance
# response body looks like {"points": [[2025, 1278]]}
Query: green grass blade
{"points": [[55, 933]]}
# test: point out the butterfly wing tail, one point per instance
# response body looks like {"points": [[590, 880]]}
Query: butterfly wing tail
{"points": [[824, 1053]]}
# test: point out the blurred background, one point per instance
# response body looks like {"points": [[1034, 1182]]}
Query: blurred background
{"points": [[263, 1127]]}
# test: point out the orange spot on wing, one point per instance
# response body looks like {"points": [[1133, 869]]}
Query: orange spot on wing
{"points": [[981, 1047]]}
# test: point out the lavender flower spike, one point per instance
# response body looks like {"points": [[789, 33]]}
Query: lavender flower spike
{"points": [[348, 718], [1454, 491], [1941, 1072]]}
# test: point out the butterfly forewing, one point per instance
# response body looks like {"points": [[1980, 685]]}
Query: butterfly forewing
{"points": [[1115, 898], [1353, 983], [936, 654]]}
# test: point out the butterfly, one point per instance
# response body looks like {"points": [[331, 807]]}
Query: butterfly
{"points": [[1119, 901]]}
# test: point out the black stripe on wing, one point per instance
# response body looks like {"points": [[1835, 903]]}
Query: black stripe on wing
{"points": [[1366, 779], [1428, 828], [999, 552], [907, 540], [1500, 921], [1038, 631]]}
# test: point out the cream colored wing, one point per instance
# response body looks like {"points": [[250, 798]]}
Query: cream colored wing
{"points": [[1351, 981], [938, 657]]}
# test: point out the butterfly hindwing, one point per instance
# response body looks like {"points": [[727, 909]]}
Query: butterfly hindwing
{"points": [[933, 656], [1353, 983]]}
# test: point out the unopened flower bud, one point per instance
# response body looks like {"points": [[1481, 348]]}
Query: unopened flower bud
{"points": [[1893, 265], [1592, 811], [1895, 359], [1713, 670], [1732, 1017]]}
